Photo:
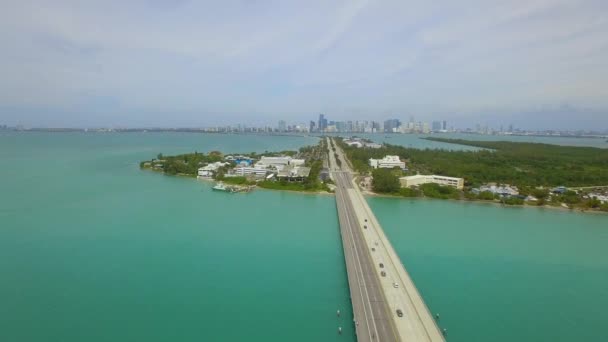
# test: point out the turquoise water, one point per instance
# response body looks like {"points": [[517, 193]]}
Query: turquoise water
{"points": [[94, 249], [504, 274]]}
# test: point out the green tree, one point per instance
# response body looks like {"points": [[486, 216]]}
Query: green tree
{"points": [[385, 181]]}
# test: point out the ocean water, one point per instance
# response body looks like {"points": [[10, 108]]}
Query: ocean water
{"points": [[94, 249], [504, 274]]}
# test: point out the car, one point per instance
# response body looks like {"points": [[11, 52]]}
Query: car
{"points": [[376, 243], [383, 274], [399, 313], [373, 249], [365, 227], [365, 220], [381, 265], [395, 285]]}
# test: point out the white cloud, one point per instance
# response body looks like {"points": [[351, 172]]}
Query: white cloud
{"points": [[282, 57]]}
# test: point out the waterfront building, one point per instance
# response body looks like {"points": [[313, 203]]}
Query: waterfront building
{"points": [[209, 169], [416, 180], [502, 190], [248, 171], [388, 162]]}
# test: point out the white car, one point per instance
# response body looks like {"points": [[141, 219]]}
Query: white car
{"points": [[395, 285]]}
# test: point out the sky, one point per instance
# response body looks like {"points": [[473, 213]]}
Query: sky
{"points": [[537, 64]]}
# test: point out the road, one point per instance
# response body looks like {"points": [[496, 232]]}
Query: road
{"points": [[379, 284]]}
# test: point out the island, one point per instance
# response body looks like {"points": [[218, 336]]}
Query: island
{"points": [[301, 170], [509, 173], [501, 172]]}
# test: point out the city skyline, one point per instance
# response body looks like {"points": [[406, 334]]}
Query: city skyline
{"points": [[535, 64]]}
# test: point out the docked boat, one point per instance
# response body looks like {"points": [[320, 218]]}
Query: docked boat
{"points": [[222, 187]]}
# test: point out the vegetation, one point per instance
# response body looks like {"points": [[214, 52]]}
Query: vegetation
{"points": [[188, 164], [385, 181], [516, 163], [533, 168], [437, 191]]}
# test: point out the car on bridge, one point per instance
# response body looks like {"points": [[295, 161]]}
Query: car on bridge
{"points": [[399, 313]]}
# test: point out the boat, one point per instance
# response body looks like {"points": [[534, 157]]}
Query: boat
{"points": [[222, 187]]}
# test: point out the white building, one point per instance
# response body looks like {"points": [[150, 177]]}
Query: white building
{"points": [[357, 144], [387, 162], [209, 169], [297, 162], [278, 162], [247, 171], [416, 180], [273, 162], [504, 190]]}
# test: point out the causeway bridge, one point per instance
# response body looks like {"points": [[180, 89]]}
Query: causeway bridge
{"points": [[386, 304]]}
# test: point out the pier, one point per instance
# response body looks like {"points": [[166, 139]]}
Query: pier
{"points": [[386, 304]]}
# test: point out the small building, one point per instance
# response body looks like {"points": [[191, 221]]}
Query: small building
{"points": [[273, 162], [388, 162], [249, 171], [297, 162], [503, 190], [294, 173], [559, 190], [209, 169], [356, 144], [417, 180]]}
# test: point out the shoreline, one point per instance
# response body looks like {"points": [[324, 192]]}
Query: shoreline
{"points": [[559, 208], [374, 194]]}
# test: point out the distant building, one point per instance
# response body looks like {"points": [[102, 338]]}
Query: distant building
{"points": [[416, 180], [436, 126], [387, 162], [312, 126], [391, 125], [282, 126], [322, 123]]}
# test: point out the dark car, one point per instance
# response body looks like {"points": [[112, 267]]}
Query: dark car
{"points": [[399, 313]]}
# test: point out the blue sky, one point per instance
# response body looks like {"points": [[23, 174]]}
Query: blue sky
{"points": [[533, 63]]}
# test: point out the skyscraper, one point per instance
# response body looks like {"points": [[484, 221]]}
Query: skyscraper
{"points": [[312, 126], [391, 125], [444, 126], [322, 123], [436, 126], [282, 126]]}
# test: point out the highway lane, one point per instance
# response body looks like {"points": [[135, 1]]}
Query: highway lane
{"points": [[372, 315], [375, 298]]}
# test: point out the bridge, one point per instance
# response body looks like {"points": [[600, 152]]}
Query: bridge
{"points": [[386, 304]]}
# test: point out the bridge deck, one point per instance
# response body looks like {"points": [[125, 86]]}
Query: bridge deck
{"points": [[374, 297]]}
